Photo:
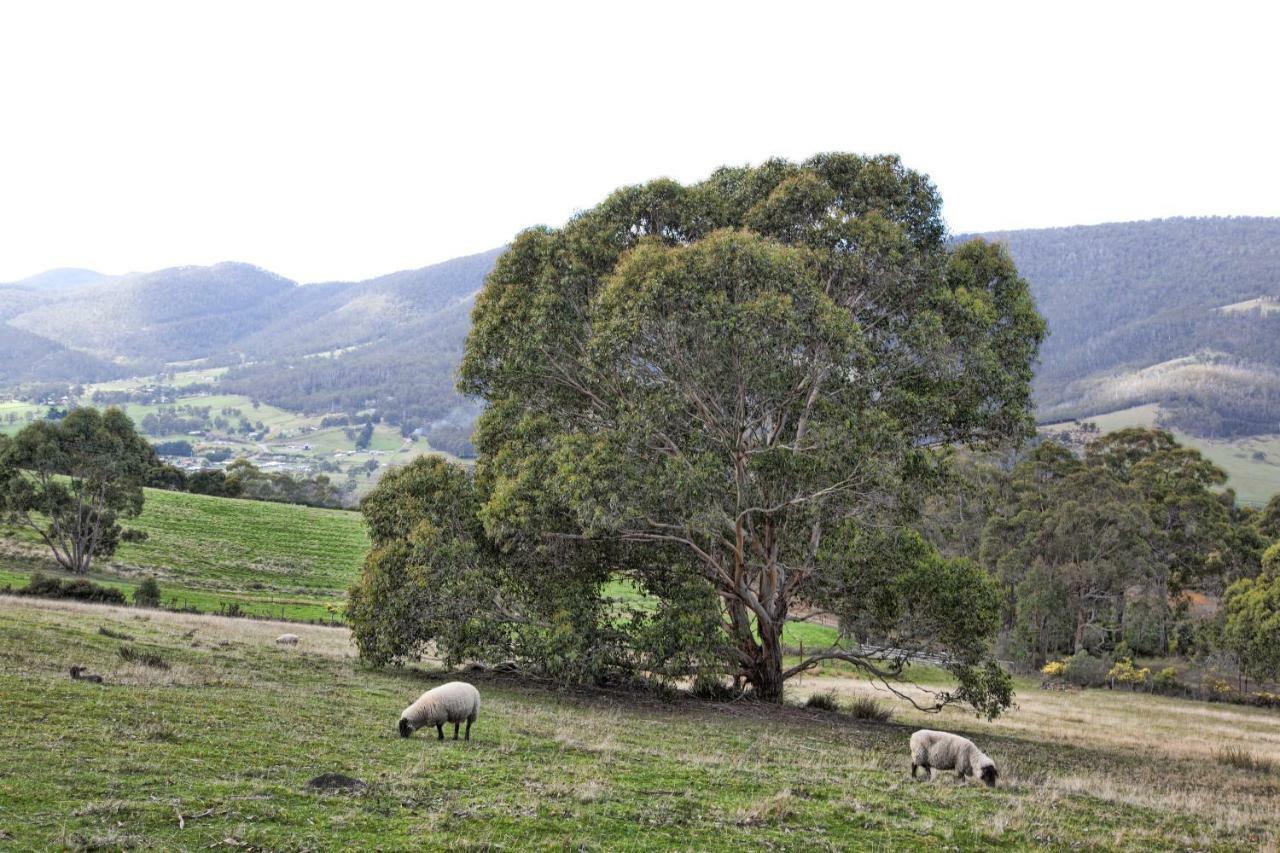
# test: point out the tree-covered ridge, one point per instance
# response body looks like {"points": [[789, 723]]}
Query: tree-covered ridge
{"points": [[1123, 297]]}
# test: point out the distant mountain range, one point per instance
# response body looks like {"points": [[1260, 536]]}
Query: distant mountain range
{"points": [[1180, 312]]}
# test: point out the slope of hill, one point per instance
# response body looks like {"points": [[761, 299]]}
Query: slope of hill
{"points": [[58, 279], [215, 750], [1135, 316], [1181, 313], [208, 553], [389, 343]]}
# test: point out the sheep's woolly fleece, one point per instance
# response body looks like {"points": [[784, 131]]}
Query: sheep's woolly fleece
{"points": [[945, 751], [454, 702]]}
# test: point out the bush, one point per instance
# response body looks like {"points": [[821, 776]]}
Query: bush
{"points": [[1084, 670], [866, 708], [714, 690], [147, 594], [129, 654], [823, 701], [133, 535], [78, 589], [1217, 690], [1166, 681], [1054, 668], [1124, 672]]}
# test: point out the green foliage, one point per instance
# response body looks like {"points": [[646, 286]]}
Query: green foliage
{"points": [[434, 579], [147, 594], [1252, 621], [1085, 670], [1124, 672], [1268, 521], [740, 381], [70, 480], [1166, 680], [1070, 540], [78, 589]]}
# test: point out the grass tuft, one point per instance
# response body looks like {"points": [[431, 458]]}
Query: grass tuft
{"points": [[866, 708], [129, 654], [1243, 759], [115, 635], [823, 701]]}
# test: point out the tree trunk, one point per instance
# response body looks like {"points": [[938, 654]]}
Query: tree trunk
{"points": [[765, 674]]}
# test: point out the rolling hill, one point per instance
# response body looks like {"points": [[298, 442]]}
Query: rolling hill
{"points": [[1181, 314], [1173, 312]]}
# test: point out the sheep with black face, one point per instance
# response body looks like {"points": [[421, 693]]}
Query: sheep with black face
{"points": [[454, 702], [945, 751]]}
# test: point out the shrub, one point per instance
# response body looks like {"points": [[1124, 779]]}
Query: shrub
{"points": [[1054, 668], [866, 708], [1084, 670], [1265, 699], [129, 654], [823, 702], [1166, 680], [1240, 758], [1217, 690], [78, 589], [714, 690], [1124, 672], [134, 535], [147, 594]]}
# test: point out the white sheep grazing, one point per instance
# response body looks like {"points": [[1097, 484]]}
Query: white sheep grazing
{"points": [[287, 639], [448, 703], [945, 751]]}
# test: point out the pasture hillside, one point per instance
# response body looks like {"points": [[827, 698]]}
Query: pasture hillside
{"points": [[218, 748], [208, 553]]}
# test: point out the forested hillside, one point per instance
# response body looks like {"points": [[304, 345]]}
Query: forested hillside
{"points": [[1183, 313], [389, 343], [1176, 311]]}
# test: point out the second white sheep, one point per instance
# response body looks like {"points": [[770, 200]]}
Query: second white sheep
{"points": [[454, 702]]}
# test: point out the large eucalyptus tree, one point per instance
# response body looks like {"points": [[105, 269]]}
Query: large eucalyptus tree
{"points": [[753, 376]]}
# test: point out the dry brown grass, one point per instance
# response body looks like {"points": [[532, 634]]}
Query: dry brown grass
{"points": [[1167, 749]]}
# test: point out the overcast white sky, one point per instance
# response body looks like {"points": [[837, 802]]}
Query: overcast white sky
{"points": [[339, 141]]}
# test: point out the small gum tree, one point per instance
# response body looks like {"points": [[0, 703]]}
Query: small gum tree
{"points": [[754, 377], [71, 480]]}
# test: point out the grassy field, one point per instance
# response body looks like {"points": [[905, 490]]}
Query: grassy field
{"points": [[216, 752], [1252, 464], [270, 559]]}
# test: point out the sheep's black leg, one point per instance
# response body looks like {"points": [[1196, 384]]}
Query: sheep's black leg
{"points": [[440, 731], [913, 769], [468, 737], [455, 731]]}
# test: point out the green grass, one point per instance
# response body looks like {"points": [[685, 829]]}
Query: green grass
{"points": [[217, 749], [270, 559]]}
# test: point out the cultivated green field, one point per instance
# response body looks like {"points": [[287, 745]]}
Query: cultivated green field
{"points": [[270, 559], [1252, 464], [216, 752]]}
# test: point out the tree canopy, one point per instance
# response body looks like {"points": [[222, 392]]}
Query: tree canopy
{"points": [[741, 383], [71, 480]]}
